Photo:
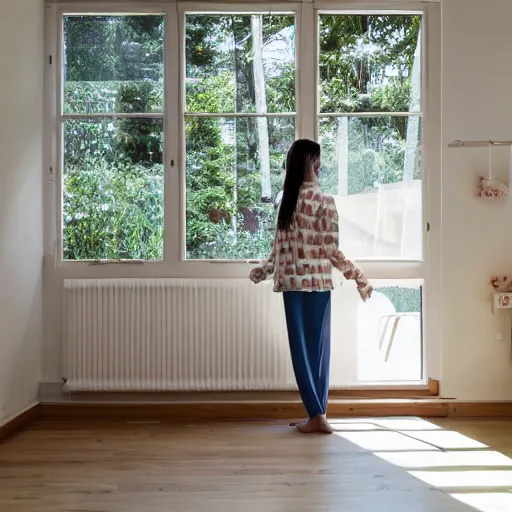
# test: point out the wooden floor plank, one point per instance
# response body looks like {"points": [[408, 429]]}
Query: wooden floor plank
{"points": [[114, 466]]}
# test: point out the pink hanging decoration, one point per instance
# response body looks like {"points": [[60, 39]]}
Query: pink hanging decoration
{"points": [[501, 284], [490, 188]]}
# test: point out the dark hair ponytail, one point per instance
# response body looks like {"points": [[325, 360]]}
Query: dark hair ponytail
{"points": [[300, 159]]}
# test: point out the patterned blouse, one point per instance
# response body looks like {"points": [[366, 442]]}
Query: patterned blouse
{"points": [[302, 256]]}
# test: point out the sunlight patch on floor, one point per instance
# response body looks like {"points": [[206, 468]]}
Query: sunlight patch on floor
{"points": [[447, 478], [448, 440], [353, 426], [467, 469], [439, 459], [401, 424], [384, 440], [487, 502], [407, 424]]}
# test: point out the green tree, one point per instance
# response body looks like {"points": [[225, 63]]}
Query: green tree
{"points": [[113, 171], [366, 65]]}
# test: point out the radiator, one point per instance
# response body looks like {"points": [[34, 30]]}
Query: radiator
{"points": [[174, 335]]}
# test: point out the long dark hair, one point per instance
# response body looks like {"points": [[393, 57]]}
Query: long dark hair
{"points": [[302, 155]]}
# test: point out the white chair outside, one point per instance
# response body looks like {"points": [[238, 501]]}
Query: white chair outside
{"points": [[395, 318]]}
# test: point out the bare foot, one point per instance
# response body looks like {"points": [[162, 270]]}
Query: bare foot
{"points": [[316, 425]]}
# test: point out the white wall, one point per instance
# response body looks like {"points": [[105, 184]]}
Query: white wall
{"points": [[477, 235], [21, 134]]}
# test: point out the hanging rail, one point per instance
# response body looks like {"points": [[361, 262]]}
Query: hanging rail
{"points": [[479, 143]]}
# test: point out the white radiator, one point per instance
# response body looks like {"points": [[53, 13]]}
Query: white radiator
{"points": [[174, 335]]}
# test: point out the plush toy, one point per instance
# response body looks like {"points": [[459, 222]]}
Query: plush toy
{"points": [[502, 284]]}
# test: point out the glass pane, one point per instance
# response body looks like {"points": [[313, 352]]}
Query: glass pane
{"points": [[379, 341], [373, 168], [233, 178], [240, 63], [370, 63], [113, 189], [113, 64]]}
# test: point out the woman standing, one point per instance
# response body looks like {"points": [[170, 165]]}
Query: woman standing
{"points": [[304, 250]]}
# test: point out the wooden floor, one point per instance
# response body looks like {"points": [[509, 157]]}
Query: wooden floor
{"points": [[369, 465]]}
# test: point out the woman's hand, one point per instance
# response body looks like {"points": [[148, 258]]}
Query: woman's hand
{"points": [[257, 275], [365, 292]]}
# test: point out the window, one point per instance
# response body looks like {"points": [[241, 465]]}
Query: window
{"points": [[112, 127], [370, 85], [198, 109], [370, 72], [239, 118], [239, 123]]}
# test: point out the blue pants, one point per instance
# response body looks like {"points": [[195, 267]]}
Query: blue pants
{"points": [[308, 318]]}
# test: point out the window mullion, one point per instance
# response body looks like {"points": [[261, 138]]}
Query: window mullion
{"points": [[174, 209], [307, 64], [370, 114], [109, 115], [51, 191], [268, 115]]}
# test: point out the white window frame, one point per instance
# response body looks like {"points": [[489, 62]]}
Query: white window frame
{"points": [[174, 263], [55, 118], [428, 268]]}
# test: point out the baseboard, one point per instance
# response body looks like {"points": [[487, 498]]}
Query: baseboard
{"points": [[19, 422], [461, 409], [240, 410], [191, 411], [54, 392]]}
